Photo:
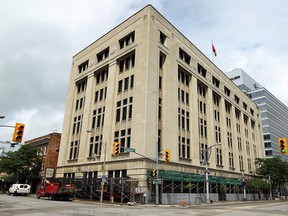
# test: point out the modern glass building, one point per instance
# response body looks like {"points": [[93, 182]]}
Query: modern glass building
{"points": [[274, 113]]}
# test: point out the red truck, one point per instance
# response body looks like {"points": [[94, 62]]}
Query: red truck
{"points": [[56, 190]]}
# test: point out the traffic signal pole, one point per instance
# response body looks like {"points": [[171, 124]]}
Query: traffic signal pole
{"points": [[157, 171]]}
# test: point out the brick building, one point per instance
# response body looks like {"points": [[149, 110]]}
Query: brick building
{"points": [[49, 145]]}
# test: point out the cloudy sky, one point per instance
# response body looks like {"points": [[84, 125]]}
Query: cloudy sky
{"points": [[39, 38]]}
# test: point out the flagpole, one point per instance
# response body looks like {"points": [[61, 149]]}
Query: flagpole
{"points": [[212, 51]]}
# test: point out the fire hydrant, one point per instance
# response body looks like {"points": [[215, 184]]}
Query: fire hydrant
{"points": [[112, 199]]}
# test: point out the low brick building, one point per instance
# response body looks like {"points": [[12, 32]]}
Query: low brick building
{"points": [[49, 145]]}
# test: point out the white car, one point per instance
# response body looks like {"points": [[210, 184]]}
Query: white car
{"points": [[19, 189]]}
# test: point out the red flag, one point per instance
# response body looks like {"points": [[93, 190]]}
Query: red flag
{"points": [[214, 50]]}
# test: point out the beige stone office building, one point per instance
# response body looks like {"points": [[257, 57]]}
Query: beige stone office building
{"points": [[145, 84]]}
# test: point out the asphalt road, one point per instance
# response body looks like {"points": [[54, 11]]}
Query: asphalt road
{"points": [[30, 206]]}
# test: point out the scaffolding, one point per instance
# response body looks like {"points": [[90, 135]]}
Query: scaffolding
{"points": [[128, 189]]}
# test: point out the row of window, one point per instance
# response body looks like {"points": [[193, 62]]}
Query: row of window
{"points": [[125, 84], [104, 54]]}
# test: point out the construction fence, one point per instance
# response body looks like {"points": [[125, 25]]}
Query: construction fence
{"points": [[171, 184]]}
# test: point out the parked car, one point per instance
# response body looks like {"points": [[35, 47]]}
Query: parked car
{"points": [[19, 189]]}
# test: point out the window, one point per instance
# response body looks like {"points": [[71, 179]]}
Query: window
{"points": [[184, 56], [201, 90], [127, 40], [77, 124], [215, 81], [127, 62], [231, 160], [245, 106], [98, 117], [203, 128], [80, 103], [183, 76], [229, 139], [95, 147], [239, 144], [124, 138], [163, 38], [84, 66], [202, 148], [100, 95], [217, 134], [162, 59], [202, 71], [227, 91], [124, 109], [227, 107], [216, 99], [101, 75], [241, 163], [183, 119], [73, 155], [184, 147], [124, 85], [236, 99], [81, 85], [219, 160], [103, 55]]}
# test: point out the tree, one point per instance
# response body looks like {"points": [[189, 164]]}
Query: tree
{"points": [[22, 165], [274, 169], [259, 185]]}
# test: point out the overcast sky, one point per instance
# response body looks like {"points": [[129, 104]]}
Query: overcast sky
{"points": [[39, 38]]}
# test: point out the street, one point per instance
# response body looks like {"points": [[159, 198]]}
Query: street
{"points": [[30, 206]]}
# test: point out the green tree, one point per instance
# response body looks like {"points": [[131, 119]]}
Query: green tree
{"points": [[22, 165], [258, 184], [273, 168]]}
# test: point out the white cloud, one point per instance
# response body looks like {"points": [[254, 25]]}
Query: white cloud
{"points": [[39, 38]]}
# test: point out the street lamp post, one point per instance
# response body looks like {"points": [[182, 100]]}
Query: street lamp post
{"points": [[206, 154], [244, 187], [103, 179]]}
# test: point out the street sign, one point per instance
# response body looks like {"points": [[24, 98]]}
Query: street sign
{"points": [[157, 181], [129, 150]]}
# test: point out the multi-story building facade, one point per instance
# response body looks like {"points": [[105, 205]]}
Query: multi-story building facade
{"points": [[146, 86], [274, 113], [49, 149]]}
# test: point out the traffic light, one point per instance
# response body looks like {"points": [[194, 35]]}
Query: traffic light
{"points": [[283, 145], [154, 173], [18, 132], [167, 155], [116, 149]]}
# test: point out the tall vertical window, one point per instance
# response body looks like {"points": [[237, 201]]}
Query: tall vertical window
{"points": [[219, 159], [202, 71], [73, 155], [162, 38]]}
